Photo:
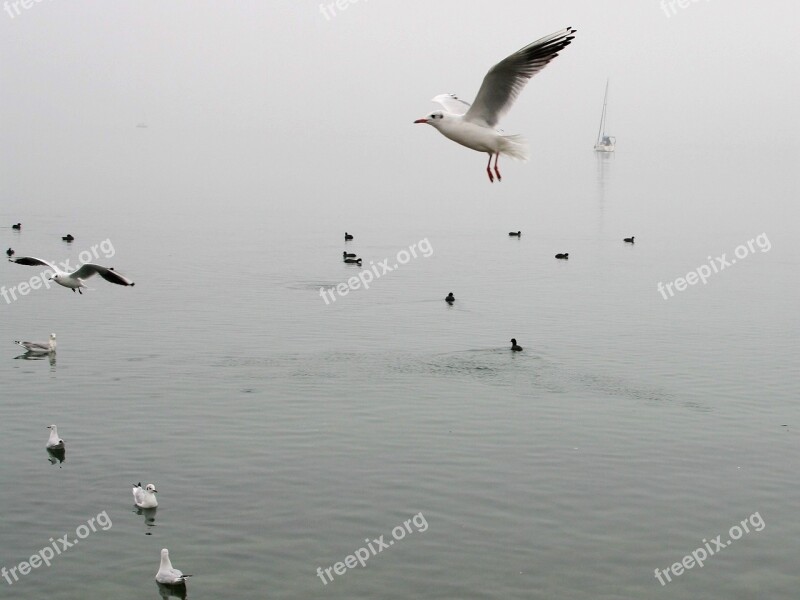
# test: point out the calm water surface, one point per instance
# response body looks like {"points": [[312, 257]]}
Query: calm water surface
{"points": [[281, 432]]}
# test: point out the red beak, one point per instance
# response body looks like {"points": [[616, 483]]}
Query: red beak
{"points": [[421, 121]]}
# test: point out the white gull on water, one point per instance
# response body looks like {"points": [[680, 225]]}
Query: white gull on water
{"points": [[55, 442], [473, 125], [145, 498], [166, 573], [74, 280], [39, 347]]}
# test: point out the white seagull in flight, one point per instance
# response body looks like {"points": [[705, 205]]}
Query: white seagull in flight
{"points": [[74, 280], [473, 125]]}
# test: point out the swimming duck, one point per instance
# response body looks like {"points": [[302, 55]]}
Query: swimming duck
{"points": [[68, 237], [630, 239], [9, 252], [353, 261], [515, 234], [348, 255], [514, 346], [347, 236], [18, 226], [450, 298], [565, 255]]}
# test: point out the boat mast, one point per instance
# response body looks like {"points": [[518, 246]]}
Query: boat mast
{"points": [[603, 117]]}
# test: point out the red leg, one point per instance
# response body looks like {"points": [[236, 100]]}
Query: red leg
{"points": [[496, 170], [489, 169]]}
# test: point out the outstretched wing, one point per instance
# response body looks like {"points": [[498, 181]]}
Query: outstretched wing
{"points": [[32, 261], [88, 269], [452, 103], [504, 81]]}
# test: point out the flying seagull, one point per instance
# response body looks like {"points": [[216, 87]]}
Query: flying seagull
{"points": [[74, 280], [167, 574], [145, 498], [473, 125], [39, 347]]}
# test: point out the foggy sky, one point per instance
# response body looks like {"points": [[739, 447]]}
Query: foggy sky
{"points": [[262, 97]]}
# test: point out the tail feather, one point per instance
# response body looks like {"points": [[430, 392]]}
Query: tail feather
{"points": [[515, 146]]}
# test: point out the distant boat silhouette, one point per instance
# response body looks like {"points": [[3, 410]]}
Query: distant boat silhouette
{"points": [[605, 143]]}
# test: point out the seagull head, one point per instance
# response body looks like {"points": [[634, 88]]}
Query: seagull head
{"points": [[151, 488], [435, 119]]}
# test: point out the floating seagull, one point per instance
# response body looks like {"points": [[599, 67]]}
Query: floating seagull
{"points": [[55, 442], [10, 252], [473, 125], [514, 346], [629, 240], [74, 280], [167, 574], [38, 347], [145, 498]]}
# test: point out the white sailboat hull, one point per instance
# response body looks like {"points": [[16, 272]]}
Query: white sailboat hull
{"points": [[604, 148]]}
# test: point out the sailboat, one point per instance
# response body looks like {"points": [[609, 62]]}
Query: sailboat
{"points": [[605, 143]]}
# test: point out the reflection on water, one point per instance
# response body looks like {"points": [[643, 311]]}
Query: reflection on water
{"points": [[149, 515], [51, 356], [56, 456], [172, 591]]}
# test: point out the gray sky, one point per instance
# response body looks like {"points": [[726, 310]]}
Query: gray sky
{"points": [[274, 92]]}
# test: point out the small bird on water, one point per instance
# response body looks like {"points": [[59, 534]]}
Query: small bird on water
{"points": [[167, 574], [54, 442], [347, 236], [145, 497], [450, 298], [514, 346], [563, 256], [10, 252], [630, 239], [515, 233]]}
